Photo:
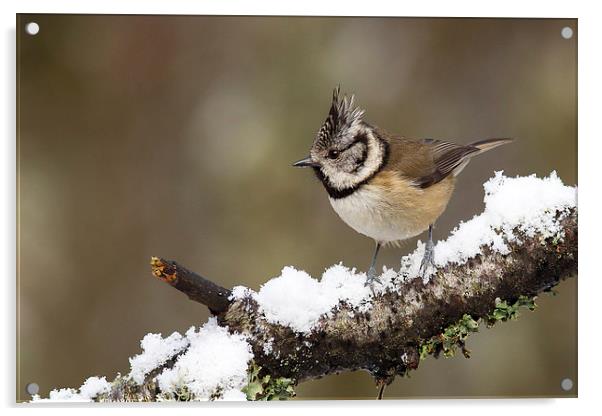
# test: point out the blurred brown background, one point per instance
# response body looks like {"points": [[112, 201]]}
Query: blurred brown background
{"points": [[173, 136]]}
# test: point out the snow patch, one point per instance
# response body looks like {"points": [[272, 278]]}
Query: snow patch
{"points": [[94, 386], [233, 395], [155, 352], [297, 300], [215, 360], [239, 292], [91, 388]]}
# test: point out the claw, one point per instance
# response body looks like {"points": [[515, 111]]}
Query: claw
{"points": [[429, 254], [371, 278], [428, 259], [371, 275]]}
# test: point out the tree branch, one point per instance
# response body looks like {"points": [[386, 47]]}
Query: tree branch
{"points": [[196, 287], [389, 339]]}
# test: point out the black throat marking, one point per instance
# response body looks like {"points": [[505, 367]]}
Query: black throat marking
{"points": [[336, 193]]}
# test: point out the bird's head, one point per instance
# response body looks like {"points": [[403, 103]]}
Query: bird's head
{"points": [[346, 150]]}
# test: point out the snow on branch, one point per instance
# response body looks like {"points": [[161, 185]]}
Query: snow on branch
{"points": [[260, 344]]}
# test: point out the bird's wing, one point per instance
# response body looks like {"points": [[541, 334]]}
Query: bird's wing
{"points": [[428, 161], [449, 158]]}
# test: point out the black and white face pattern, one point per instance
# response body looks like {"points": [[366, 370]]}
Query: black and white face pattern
{"points": [[347, 149]]}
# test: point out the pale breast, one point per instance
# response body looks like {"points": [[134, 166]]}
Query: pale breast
{"points": [[389, 208]]}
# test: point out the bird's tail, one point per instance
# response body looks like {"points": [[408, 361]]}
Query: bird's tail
{"points": [[485, 145], [477, 148]]}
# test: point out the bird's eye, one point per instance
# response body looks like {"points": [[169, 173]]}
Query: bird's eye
{"points": [[333, 154]]}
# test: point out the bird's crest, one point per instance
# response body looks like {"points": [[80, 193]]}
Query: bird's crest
{"points": [[341, 117]]}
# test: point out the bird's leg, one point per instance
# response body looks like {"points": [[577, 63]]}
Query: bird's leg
{"points": [[381, 391], [371, 277], [429, 254]]}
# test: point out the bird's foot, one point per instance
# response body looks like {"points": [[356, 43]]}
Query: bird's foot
{"points": [[371, 278], [429, 258]]}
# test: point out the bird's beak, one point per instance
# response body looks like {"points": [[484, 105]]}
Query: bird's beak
{"points": [[306, 163]]}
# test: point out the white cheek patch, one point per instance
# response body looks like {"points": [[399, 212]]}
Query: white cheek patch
{"points": [[375, 157], [341, 180]]}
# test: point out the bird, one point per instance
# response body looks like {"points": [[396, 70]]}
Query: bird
{"points": [[387, 187]]}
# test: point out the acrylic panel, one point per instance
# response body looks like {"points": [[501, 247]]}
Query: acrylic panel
{"points": [[156, 195]]}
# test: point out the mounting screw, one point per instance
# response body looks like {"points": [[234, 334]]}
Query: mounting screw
{"points": [[32, 28], [32, 388], [566, 32], [566, 384]]}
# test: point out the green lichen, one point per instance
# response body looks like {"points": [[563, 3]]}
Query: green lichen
{"points": [[454, 336], [262, 388], [258, 388], [448, 341], [504, 311], [182, 394]]}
